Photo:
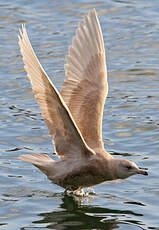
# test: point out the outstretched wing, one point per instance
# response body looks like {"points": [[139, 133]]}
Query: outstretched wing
{"points": [[66, 135], [85, 87]]}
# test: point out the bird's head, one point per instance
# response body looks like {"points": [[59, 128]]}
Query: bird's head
{"points": [[126, 168]]}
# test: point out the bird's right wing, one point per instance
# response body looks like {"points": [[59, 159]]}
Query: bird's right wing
{"points": [[67, 138]]}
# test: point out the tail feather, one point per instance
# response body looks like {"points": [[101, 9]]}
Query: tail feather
{"points": [[42, 161], [36, 159]]}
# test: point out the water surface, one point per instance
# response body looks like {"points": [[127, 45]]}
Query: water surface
{"points": [[130, 124]]}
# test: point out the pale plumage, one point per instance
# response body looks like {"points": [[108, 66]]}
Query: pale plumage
{"points": [[74, 118], [85, 88], [56, 114]]}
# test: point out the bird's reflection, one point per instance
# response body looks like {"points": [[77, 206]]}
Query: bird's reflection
{"points": [[74, 215]]}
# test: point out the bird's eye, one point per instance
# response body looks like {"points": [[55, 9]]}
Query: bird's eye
{"points": [[129, 167]]}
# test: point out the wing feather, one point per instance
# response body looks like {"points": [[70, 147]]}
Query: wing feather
{"points": [[85, 88], [66, 136]]}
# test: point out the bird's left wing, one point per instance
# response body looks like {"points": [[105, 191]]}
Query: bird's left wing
{"points": [[85, 88], [66, 136]]}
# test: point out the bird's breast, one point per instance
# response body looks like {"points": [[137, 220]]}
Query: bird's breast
{"points": [[85, 175]]}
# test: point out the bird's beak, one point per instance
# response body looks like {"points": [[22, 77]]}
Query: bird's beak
{"points": [[142, 171]]}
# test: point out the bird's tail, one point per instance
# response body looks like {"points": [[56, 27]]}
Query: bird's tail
{"points": [[42, 161]]}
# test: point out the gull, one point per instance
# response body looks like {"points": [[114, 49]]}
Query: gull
{"points": [[74, 115]]}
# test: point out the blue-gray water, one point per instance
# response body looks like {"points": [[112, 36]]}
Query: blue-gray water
{"points": [[131, 115]]}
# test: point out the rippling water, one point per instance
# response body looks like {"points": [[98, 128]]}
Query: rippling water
{"points": [[130, 126]]}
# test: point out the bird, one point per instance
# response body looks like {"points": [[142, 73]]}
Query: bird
{"points": [[74, 114]]}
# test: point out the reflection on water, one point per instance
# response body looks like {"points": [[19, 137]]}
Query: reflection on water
{"points": [[130, 123], [74, 215]]}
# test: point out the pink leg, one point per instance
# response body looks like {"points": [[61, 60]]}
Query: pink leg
{"points": [[66, 191]]}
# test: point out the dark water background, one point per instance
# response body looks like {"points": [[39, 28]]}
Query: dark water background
{"points": [[131, 117]]}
